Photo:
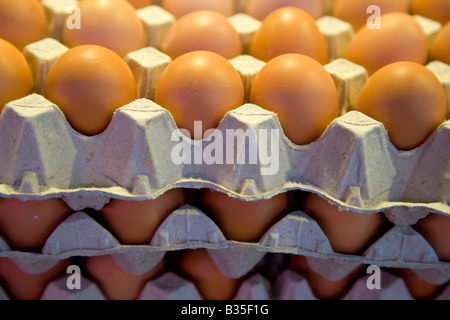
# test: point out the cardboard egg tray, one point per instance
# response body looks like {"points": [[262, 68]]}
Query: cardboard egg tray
{"points": [[353, 165]]}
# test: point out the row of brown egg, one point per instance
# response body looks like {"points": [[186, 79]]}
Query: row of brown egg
{"points": [[264, 93], [191, 274]]}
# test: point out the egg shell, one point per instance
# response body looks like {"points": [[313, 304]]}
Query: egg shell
{"points": [[142, 189], [260, 9], [22, 285], [115, 282], [434, 228], [438, 10], [181, 8], [302, 94], [431, 29], [210, 96], [356, 12], [135, 222], [198, 267], [245, 221], [348, 232], [323, 288], [26, 225], [289, 30], [16, 79], [411, 107], [294, 286], [113, 24], [22, 22], [441, 48], [202, 30], [400, 38], [76, 83], [168, 286], [419, 288]]}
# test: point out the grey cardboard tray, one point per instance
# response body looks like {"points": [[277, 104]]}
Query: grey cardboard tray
{"points": [[353, 165]]}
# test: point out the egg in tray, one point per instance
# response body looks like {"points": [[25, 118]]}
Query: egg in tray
{"points": [[87, 138]]}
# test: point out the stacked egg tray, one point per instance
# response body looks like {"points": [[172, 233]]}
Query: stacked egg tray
{"points": [[353, 165]]}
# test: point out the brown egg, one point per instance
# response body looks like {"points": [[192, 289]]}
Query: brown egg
{"points": [[323, 288], [401, 38], [289, 30], [21, 285], [202, 30], [259, 9], [115, 282], [88, 83], [197, 266], [441, 47], [348, 232], [16, 79], [22, 22], [242, 220], [419, 288], [135, 222], [180, 8], [435, 229], [113, 24], [199, 86], [438, 10], [138, 4], [408, 99], [301, 92], [26, 225], [355, 12]]}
